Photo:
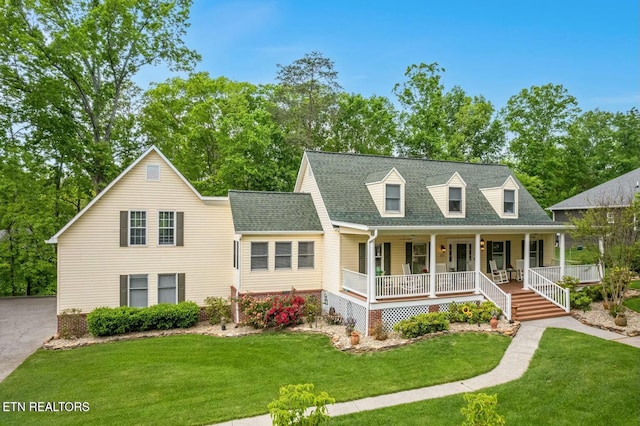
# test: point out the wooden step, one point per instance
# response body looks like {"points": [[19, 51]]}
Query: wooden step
{"points": [[532, 306]]}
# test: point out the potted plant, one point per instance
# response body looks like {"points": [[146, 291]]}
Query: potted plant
{"points": [[620, 320], [355, 338], [494, 320], [349, 325]]}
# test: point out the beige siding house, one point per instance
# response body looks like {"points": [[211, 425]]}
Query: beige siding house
{"points": [[377, 238]]}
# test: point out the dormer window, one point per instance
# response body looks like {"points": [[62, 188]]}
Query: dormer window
{"points": [[455, 200], [509, 201], [392, 198]]}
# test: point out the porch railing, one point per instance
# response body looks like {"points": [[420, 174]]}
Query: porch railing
{"points": [[585, 273], [549, 290], [495, 294], [354, 282], [389, 286], [455, 282]]}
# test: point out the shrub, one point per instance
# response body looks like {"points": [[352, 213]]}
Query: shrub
{"points": [[111, 321], [276, 311], [472, 313], [594, 292], [312, 309], [481, 410], [580, 300], [217, 308], [379, 333], [569, 282], [422, 324], [293, 406]]}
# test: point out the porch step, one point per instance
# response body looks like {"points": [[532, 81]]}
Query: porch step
{"points": [[532, 306]]}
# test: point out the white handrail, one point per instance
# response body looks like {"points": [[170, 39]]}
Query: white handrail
{"points": [[354, 282], [495, 294], [549, 290]]}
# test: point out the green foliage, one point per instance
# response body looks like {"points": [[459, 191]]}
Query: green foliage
{"points": [[473, 313], [312, 309], [217, 308], [111, 321], [633, 303], [578, 299], [275, 311], [481, 410], [422, 324], [379, 333], [293, 407], [594, 292]]}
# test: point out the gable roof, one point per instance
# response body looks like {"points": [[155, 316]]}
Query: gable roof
{"points": [[616, 192], [342, 178], [54, 239], [270, 212]]}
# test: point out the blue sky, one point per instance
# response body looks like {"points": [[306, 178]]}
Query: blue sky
{"points": [[491, 48]]}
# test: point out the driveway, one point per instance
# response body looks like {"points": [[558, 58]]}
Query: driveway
{"points": [[24, 324]]}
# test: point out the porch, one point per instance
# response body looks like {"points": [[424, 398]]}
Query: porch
{"points": [[451, 285]]}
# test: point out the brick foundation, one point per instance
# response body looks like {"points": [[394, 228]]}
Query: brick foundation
{"points": [[375, 319]]}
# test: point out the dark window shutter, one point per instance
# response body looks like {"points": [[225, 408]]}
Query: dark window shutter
{"points": [[507, 255], [522, 248], [387, 258], [180, 288], [362, 258], [408, 250], [124, 289], [489, 254], [540, 253], [235, 255], [124, 229], [179, 229]]}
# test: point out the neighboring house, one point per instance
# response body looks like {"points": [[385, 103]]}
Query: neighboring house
{"points": [[377, 238], [618, 192]]}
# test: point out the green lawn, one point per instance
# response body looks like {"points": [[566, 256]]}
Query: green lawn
{"points": [[586, 256], [635, 284], [193, 379], [633, 303], [573, 379]]}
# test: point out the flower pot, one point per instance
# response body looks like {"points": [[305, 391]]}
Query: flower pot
{"points": [[355, 338], [493, 322], [620, 320]]}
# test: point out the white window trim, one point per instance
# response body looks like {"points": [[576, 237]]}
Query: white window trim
{"points": [[461, 213], [175, 216], [312, 255], [515, 202], [251, 256], [400, 203], [149, 166], [175, 280], [129, 287], [276, 256], [146, 228]]}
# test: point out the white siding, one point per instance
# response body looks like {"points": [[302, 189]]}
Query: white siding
{"points": [[90, 259]]}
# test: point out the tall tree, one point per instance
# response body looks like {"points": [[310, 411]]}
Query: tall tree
{"points": [[219, 133], [445, 125], [363, 125], [307, 99], [537, 121], [77, 59]]}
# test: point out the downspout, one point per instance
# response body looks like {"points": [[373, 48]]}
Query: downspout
{"points": [[239, 283], [371, 275]]}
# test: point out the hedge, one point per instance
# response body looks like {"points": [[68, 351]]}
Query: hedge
{"points": [[125, 319]]}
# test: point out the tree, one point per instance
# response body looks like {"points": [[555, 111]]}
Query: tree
{"points": [[219, 133], [363, 125], [612, 227], [306, 99], [76, 59], [538, 121], [445, 125]]}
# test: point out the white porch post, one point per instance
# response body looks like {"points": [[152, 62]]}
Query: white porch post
{"points": [[432, 266], [526, 262], [476, 265], [562, 260], [600, 260], [371, 266]]}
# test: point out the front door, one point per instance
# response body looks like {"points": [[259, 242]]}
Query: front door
{"points": [[461, 257]]}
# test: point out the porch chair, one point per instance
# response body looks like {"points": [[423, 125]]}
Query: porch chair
{"points": [[499, 276], [408, 282], [519, 269]]}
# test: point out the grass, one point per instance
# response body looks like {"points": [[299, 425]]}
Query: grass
{"points": [[588, 255], [632, 303], [635, 284], [573, 379], [193, 379]]}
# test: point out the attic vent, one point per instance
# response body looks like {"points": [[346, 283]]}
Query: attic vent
{"points": [[153, 172]]}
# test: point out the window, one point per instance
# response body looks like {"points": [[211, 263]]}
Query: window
{"points": [[610, 217], [137, 228], [455, 200], [392, 198], [236, 255], [166, 228], [497, 254], [283, 255], [259, 256], [167, 288], [419, 258], [509, 201], [153, 172], [138, 290], [306, 256]]}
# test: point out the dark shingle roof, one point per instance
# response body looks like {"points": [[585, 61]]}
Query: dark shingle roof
{"points": [[619, 191], [273, 212], [342, 181]]}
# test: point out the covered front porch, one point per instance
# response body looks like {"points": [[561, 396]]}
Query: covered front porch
{"points": [[450, 266]]}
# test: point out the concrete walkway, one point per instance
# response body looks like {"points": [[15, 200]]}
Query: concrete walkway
{"points": [[513, 365]]}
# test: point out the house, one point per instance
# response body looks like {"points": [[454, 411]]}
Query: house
{"points": [[617, 192], [377, 238]]}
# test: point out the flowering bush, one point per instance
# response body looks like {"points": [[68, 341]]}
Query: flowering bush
{"points": [[472, 313], [275, 311]]}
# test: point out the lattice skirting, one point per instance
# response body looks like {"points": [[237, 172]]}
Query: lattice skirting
{"points": [[345, 307], [392, 316]]}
